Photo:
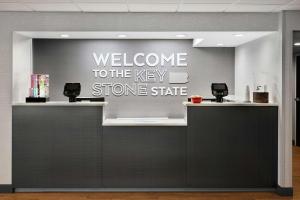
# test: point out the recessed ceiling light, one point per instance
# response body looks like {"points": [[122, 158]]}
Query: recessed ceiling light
{"points": [[64, 35], [197, 41], [238, 35], [297, 44], [180, 35], [220, 44], [122, 36]]}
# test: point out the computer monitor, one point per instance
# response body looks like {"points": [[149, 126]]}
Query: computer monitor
{"points": [[219, 90], [72, 90]]}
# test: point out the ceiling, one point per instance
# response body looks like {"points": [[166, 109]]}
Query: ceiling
{"points": [[150, 5], [200, 39]]}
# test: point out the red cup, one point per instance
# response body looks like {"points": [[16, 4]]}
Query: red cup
{"points": [[197, 99]]}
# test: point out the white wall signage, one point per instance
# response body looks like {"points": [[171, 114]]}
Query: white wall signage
{"points": [[178, 77], [147, 70]]}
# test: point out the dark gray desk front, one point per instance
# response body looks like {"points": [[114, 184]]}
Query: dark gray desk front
{"points": [[232, 147], [222, 147], [57, 146]]}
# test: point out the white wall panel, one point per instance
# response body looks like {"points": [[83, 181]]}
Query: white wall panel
{"points": [[5, 128], [259, 63], [22, 67]]}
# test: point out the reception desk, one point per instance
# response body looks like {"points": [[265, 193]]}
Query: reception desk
{"points": [[64, 146]]}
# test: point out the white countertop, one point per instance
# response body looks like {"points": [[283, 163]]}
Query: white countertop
{"points": [[61, 103], [208, 103], [159, 121]]}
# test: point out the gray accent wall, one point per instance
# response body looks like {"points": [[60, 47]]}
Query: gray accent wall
{"points": [[72, 61]]}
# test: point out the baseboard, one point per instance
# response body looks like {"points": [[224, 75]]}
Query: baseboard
{"points": [[6, 188], [284, 191], [145, 190]]}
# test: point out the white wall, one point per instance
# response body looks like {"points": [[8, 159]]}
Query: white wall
{"points": [[259, 62], [22, 67]]}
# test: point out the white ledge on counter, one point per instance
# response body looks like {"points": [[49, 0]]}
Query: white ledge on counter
{"points": [[228, 104], [61, 103], [159, 121]]}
